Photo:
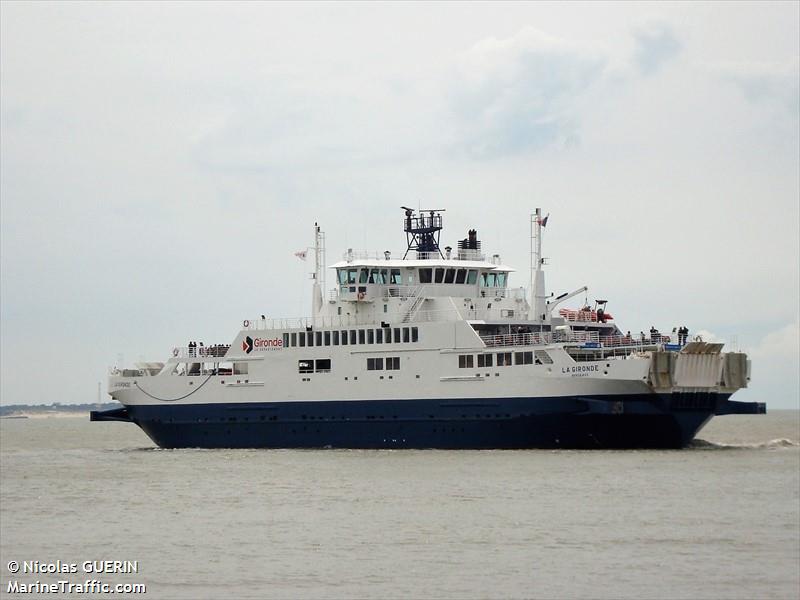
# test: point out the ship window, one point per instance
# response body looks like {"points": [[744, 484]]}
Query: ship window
{"points": [[361, 336], [370, 336], [425, 275], [352, 337], [351, 275], [327, 338], [384, 276], [344, 337], [504, 359], [449, 275], [406, 338], [374, 276], [336, 338], [483, 279], [342, 276], [285, 340], [491, 279], [364, 276], [385, 308], [414, 334], [392, 363], [465, 361], [240, 368], [388, 335], [323, 365], [397, 278], [379, 336], [379, 364], [294, 340], [501, 279], [472, 276], [396, 335], [461, 276], [518, 358], [484, 360], [309, 338], [302, 339], [305, 366], [371, 364], [439, 275], [319, 338]]}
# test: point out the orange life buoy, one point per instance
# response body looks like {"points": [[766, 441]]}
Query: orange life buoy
{"points": [[361, 295]]}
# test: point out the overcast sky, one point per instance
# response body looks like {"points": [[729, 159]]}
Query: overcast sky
{"points": [[161, 163]]}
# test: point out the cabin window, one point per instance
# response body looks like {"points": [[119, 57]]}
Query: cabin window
{"points": [[414, 334], [364, 277], [344, 337], [388, 335], [361, 337], [294, 340], [370, 336], [323, 365], [352, 337], [319, 338], [375, 364], [305, 366], [439, 275], [309, 338], [425, 275], [336, 338], [327, 335], [406, 337], [285, 340], [396, 335], [504, 359], [449, 275], [484, 360], [472, 277], [302, 339], [397, 278], [461, 276], [501, 279], [385, 308], [240, 368], [379, 336], [465, 361], [392, 363]]}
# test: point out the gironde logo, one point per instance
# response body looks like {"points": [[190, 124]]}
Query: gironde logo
{"points": [[247, 344]]}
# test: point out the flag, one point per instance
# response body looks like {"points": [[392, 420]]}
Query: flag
{"points": [[543, 222], [302, 254]]}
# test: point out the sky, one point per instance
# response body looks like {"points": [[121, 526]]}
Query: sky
{"points": [[160, 164]]}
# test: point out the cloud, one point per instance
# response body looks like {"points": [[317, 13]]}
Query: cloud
{"points": [[773, 83], [515, 95], [656, 44]]}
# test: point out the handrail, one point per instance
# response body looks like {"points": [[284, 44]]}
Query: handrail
{"points": [[591, 339]]}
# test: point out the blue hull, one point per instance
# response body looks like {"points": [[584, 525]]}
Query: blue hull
{"points": [[646, 421]]}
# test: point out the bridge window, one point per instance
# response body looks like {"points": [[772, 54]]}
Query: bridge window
{"points": [[351, 275], [501, 279], [491, 279], [449, 275], [472, 276], [461, 276], [439, 275], [396, 277], [425, 275], [414, 334], [465, 361], [323, 365], [364, 277], [375, 276]]}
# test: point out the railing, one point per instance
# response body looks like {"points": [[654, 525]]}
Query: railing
{"points": [[200, 352], [589, 339], [470, 254]]}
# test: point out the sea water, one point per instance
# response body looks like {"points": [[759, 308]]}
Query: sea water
{"points": [[718, 520]]}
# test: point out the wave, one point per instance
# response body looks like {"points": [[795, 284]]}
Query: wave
{"points": [[699, 444]]}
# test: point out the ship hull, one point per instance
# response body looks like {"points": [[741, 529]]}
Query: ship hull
{"points": [[630, 421]]}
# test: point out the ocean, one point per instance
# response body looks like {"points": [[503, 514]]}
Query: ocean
{"points": [[718, 520]]}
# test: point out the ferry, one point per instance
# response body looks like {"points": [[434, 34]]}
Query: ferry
{"points": [[434, 349]]}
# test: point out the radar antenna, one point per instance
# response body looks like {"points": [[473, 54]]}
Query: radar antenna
{"points": [[422, 232]]}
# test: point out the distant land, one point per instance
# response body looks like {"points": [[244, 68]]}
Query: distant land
{"points": [[14, 410]]}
